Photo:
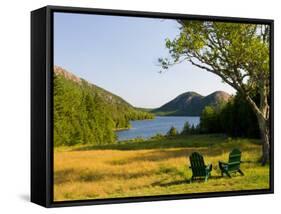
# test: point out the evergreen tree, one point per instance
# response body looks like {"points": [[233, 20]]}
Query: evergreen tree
{"points": [[172, 132]]}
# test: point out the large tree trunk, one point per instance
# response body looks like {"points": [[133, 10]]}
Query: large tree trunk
{"points": [[262, 114], [265, 136]]}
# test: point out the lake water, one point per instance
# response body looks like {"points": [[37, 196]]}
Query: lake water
{"points": [[149, 128]]}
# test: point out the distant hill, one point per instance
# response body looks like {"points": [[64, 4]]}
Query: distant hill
{"points": [[190, 104]]}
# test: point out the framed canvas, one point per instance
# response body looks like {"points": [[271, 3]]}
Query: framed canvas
{"points": [[131, 106]]}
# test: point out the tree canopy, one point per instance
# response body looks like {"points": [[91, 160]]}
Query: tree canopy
{"points": [[236, 52]]}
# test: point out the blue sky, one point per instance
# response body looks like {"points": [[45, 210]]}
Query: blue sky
{"points": [[120, 55]]}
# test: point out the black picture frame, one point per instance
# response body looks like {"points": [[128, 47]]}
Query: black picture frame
{"points": [[42, 104]]}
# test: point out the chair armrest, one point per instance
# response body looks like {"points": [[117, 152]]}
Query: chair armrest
{"points": [[223, 163], [209, 167], [223, 166]]}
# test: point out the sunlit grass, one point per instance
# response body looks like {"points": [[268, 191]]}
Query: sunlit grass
{"points": [[152, 168]]}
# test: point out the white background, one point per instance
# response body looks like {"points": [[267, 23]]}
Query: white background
{"points": [[15, 106]]}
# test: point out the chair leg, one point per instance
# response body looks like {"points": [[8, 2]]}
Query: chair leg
{"points": [[207, 176], [228, 174], [240, 171], [222, 168]]}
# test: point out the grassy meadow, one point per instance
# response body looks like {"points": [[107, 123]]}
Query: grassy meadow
{"points": [[153, 167]]}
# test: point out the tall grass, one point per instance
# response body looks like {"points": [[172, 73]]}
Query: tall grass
{"points": [[154, 167]]}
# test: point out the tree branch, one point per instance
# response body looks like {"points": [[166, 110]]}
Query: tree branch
{"points": [[215, 72]]}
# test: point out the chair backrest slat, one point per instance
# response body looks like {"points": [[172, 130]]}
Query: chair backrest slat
{"points": [[197, 164], [234, 160]]}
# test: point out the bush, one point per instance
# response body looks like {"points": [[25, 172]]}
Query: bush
{"points": [[195, 129], [186, 129], [157, 137], [172, 132], [190, 129]]}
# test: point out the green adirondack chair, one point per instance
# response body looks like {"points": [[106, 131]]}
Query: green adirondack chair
{"points": [[233, 164], [198, 167]]}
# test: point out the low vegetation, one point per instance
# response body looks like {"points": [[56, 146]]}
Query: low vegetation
{"points": [[153, 167], [172, 132]]}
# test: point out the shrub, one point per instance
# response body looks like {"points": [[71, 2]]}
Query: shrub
{"points": [[186, 129], [157, 137], [190, 129], [172, 132]]}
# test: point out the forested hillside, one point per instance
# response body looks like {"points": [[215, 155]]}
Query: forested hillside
{"points": [[87, 114]]}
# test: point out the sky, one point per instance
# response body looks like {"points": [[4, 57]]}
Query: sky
{"points": [[120, 55]]}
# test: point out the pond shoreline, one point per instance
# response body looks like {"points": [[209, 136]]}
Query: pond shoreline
{"points": [[159, 125]]}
